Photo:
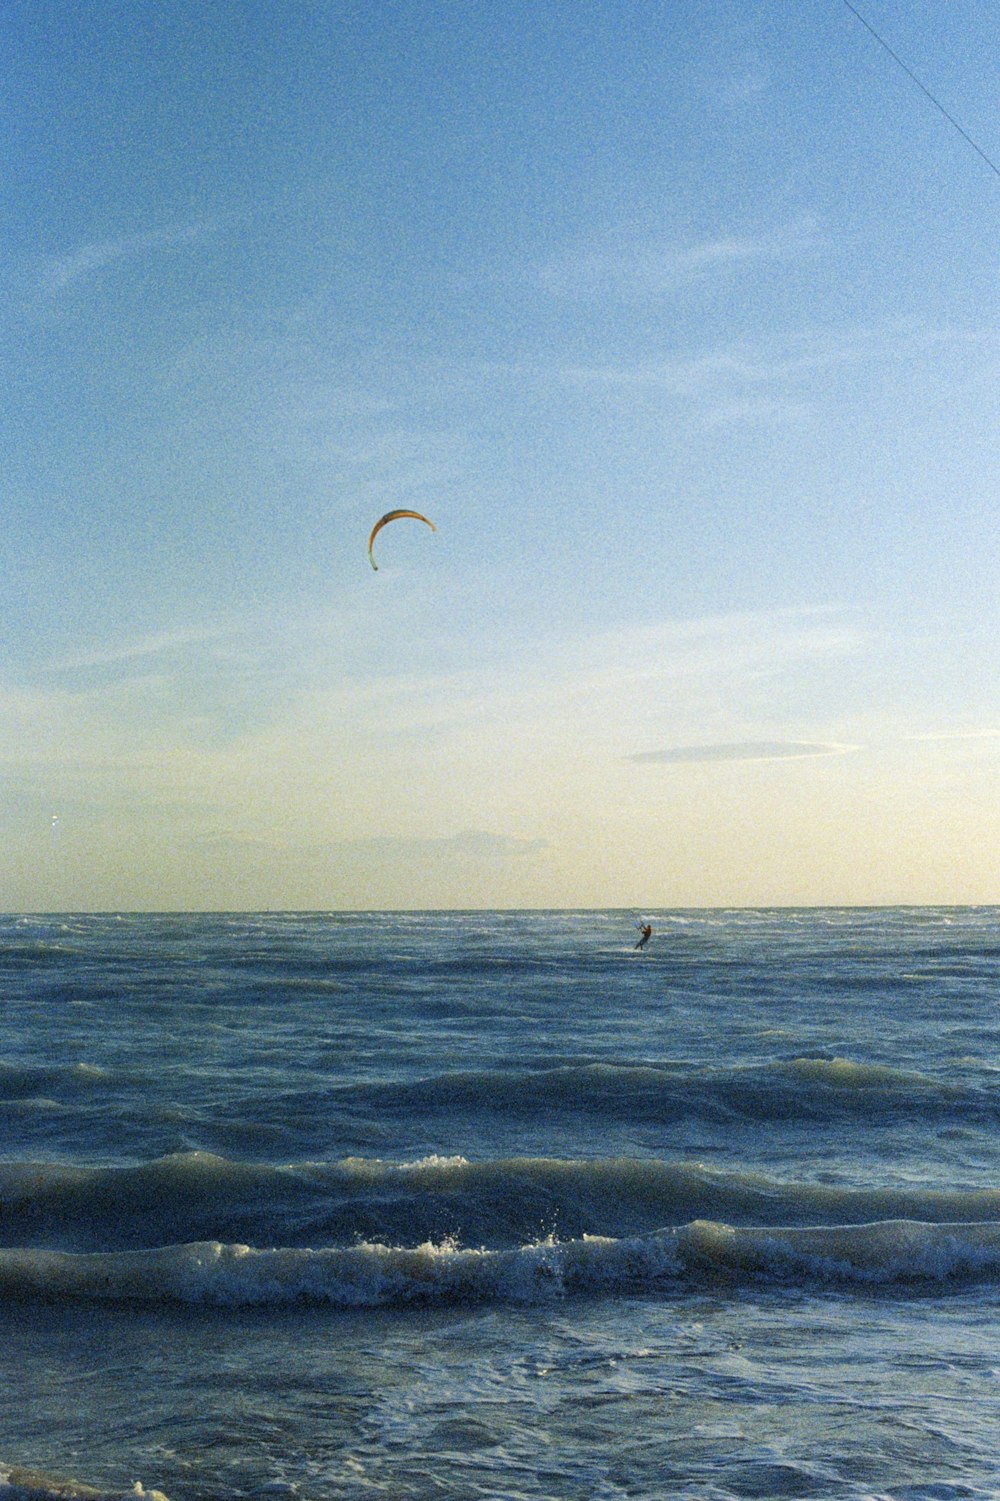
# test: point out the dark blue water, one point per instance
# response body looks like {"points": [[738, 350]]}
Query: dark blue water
{"points": [[491, 1204]]}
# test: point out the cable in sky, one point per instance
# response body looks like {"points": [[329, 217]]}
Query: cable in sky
{"points": [[922, 87]]}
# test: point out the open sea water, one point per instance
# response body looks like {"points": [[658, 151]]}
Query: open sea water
{"points": [[468, 1205]]}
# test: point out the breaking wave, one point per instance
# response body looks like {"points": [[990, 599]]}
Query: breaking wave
{"points": [[18, 1483], [894, 1253]]}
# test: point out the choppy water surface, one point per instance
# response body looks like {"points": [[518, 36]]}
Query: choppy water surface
{"points": [[457, 1205]]}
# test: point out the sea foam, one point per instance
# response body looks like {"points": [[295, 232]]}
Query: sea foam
{"points": [[20, 1484]]}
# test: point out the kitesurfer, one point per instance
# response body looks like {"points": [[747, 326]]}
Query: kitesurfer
{"points": [[645, 934]]}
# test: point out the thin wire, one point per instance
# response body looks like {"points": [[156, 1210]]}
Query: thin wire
{"points": [[923, 89]]}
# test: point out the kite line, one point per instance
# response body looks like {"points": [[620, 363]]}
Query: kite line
{"points": [[923, 88]]}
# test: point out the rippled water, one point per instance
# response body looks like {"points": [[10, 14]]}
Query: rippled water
{"points": [[457, 1205]]}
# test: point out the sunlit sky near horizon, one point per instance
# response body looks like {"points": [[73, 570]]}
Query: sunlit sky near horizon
{"points": [[681, 322]]}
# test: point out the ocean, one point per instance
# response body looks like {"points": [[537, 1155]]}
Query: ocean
{"points": [[492, 1205]]}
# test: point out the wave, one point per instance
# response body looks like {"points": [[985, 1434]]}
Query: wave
{"points": [[809, 1088], [887, 1253], [499, 1204], [20, 1484], [18, 1081], [814, 1087], [898, 1254]]}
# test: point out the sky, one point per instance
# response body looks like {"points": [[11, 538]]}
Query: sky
{"points": [[680, 321]]}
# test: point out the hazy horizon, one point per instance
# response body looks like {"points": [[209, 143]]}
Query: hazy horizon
{"points": [[626, 912]]}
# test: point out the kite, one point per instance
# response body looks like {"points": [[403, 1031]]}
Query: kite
{"points": [[393, 516]]}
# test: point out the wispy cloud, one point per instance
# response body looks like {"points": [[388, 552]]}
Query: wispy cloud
{"points": [[744, 367], [949, 735], [744, 644], [476, 844], [744, 87], [655, 267], [784, 377], [308, 666], [746, 750], [136, 649], [89, 260], [475, 852], [614, 664]]}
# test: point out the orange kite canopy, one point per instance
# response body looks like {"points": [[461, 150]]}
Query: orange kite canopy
{"points": [[384, 521]]}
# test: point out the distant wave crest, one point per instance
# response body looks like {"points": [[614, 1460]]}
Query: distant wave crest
{"points": [[808, 1087]]}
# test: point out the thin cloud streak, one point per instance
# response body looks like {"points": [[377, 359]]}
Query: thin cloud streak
{"points": [[59, 273], [469, 847], [949, 735], [771, 380], [737, 644], [744, 365], [748, 750], [600, 676], [657, 267], [748, 86], [141, 648]]}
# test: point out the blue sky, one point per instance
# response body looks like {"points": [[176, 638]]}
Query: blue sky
{"points": [[681, 323]]}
